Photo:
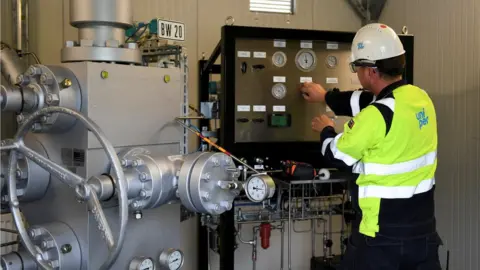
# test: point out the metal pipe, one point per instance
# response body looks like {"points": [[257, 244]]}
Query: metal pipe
{"points": [[9, 244], [239, 235], [282, 240], [300, 231], [290, 230], [254, 248], [18, 23], [8, 230], [313, 238]]}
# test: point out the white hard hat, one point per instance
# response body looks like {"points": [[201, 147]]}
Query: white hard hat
{"points": [[374, 42]]}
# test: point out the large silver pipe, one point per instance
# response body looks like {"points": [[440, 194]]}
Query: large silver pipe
{"points": [[10, 64], [101, 21]]}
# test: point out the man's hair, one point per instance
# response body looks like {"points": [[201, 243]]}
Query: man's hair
{"points": [[391, 68]]}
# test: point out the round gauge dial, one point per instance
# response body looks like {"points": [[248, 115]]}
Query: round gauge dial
{"points": [[279, 59], [331, 61], [142, 263], [279, 91], [306, 60], [259, 187], [172, 259]]}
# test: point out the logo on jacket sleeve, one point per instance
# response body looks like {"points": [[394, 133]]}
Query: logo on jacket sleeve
{"points": [[351, 123], [422, 118]]}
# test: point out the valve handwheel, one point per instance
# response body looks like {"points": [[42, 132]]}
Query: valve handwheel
{"points": [[82, 188]]}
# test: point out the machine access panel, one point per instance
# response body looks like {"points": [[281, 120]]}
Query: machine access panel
{"points": [[269, 107]]}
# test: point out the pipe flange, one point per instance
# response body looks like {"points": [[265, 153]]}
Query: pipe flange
{"points": [[57, 245], [102, 54], [32, 180], [184, 180], [152, 179], [50, 86], [213, 183]]}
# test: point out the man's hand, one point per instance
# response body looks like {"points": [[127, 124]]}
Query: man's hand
{"points": [[312, 92], [321, 122]]}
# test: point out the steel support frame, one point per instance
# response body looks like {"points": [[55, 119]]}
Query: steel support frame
{"points": [[227, 224]]}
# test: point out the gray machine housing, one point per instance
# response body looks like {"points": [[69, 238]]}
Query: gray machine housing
{"points": [[130, 116]]}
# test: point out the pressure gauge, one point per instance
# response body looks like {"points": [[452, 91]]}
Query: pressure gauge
{"points": [[171, 259], [331, 61], [306, 60], [142, 263], [279, 91], [259, 187], [279, 59]]}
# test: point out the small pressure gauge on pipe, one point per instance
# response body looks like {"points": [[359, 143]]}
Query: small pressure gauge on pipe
{"points": [[171, 259], [259, 187], [142, 263]]}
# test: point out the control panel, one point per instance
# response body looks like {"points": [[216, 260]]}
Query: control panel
{"points": [[268, 105]]}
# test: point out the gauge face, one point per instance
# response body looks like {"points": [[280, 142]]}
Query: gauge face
{"points": [[146, 264], [306, 60], [142, 263], [279, 91], [279, 59], [332, 61], [256, 189], [175, 260]]}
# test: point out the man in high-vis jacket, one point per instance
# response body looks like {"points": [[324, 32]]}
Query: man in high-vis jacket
{"points": [[391, 144]]}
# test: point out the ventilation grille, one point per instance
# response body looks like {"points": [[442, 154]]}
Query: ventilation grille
{"points": [[272, 6]]}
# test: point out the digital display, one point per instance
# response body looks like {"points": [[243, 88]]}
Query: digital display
{"points": [[279, 120]]}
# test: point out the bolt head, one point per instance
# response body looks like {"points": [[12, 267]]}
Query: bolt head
{"points": [[138, 215], [67, 248], [46, 79], [21, 80], [104, 74], [66, 83]]}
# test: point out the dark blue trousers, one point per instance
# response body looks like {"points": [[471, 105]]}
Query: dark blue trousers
{"points": [[386, 253]]}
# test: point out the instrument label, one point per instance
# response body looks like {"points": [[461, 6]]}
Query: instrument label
{"points": [[306, 44], [259, 55], [243, 108], [243, 54], [279, 79]]}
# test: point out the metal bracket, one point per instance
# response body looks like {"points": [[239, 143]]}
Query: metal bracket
{"points": [[368, 10]]}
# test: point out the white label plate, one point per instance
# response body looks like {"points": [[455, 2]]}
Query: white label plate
{"points": [[332, 46], [305, 79], [306, 44], [171, 30], [279, 43], [243, 108], [279, 108], [259, 55], [243, 54], [258, 167], [332, 80], [279, 79], [259, 108]]}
